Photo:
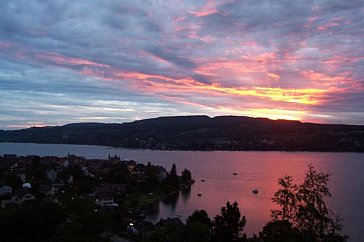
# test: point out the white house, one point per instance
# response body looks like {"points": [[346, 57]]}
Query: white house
{"points": [[5, 190], [22, 195], [66, 164], [105, 200], [51, 175]]}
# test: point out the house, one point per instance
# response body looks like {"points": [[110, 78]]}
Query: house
{"points": [[6, 203], [104, 194], [20, 172], [44, 189], [51, 175], [58, 183], [105, 199], [114, 158], [66, 164], [70, 179], [22, 195], [48, 190], [132, 230], [86, 172], [89, 174], [114, 189], [131, 166], [143, 227], [5, 190], [168, 221]]}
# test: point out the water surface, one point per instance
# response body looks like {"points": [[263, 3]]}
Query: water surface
{"points": [[255, 170]]}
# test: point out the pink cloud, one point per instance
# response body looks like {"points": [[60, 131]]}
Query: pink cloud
{"points": [[63, 60], [6, 45], [332, 23], [208, 9]]}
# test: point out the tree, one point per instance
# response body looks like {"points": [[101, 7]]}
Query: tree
{"points": [[171, 183], [84, 221], [198, 227], [170, 232], [304, 206], [229, 225], [173, 172], [279, 231], [36, 221], [186, 175], [286, 199], [197, 232], [200, 216], [13, 180]]}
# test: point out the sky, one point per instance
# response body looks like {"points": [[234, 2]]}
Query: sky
{"points": [[118, 61]]}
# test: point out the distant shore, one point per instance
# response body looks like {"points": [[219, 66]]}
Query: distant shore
{"points": [[192, 150]]}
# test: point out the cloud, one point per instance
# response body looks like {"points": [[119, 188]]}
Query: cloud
{"points": [[140, 59]]}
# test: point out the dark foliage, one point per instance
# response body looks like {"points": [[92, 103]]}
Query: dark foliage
{"points": [[31, 222], [168, 233], [200, 216], [304, 207], [201, 133], [186, 175], [229, 225], [75, 220]]}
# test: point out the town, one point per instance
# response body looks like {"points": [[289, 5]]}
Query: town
{"points": [[72, 198], [92, 198]]}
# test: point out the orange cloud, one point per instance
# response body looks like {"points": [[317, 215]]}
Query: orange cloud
{"points": [[153, 83], [264, 112], [301, 96], [273, 75], [324, 78]]}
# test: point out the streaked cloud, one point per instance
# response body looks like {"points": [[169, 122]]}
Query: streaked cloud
{"points": [[116, 61]]}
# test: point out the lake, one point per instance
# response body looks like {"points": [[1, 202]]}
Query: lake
{"points": [[255, 170]]}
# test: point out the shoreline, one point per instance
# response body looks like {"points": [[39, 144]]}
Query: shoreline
{"points": [[188, 150]]}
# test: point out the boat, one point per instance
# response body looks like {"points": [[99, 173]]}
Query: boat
{"points": [[179, 215], [199, 194], [255, 191], [203, 180], [235, 174]]}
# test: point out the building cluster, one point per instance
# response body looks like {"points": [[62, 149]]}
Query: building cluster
{"points": [[29, 178]]}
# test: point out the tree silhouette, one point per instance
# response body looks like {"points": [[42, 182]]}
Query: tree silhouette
{"points": [[229, 225], [286, 199], [173, 172], [200, 216], [186, 175], [304, 207]]}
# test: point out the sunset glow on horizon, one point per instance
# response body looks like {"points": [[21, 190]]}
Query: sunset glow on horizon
{"points": [[118, 61]]}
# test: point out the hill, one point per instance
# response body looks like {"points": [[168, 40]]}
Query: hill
{"points": [[201, 133]]}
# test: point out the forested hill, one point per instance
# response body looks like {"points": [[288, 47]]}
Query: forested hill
{"points": [[201, 133]]}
